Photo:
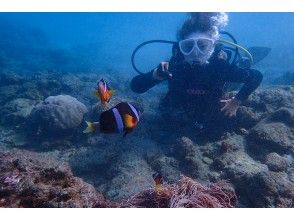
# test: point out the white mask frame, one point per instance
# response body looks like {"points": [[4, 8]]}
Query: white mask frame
{"points": [[195, 41]]}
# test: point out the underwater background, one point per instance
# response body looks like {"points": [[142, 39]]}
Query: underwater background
{"points": [[53, 54], [98, 40]]}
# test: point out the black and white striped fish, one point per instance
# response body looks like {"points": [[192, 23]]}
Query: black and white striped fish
{"points": [[122, 118]]}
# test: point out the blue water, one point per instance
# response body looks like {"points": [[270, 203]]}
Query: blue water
{"points": [[100, 41]]}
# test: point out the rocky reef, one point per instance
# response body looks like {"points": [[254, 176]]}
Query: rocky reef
{"points": [[46, 160], [30, 179]]}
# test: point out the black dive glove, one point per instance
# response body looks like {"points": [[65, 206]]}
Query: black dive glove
{"points": [[161, 72]]}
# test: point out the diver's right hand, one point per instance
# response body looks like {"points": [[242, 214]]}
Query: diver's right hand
{"points": [[161, 72]]}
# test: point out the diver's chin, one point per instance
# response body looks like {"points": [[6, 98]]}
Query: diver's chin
{"points": [[197, 62]]}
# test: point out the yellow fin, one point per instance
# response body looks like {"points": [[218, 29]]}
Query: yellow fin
{"points": [[90, 128], [96, 93], [112, 92], [129, 123]]}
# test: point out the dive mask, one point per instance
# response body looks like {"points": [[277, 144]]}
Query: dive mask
{"points": [[197, 49]]}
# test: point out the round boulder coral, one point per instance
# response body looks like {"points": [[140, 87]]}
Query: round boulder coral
{"points": [[57, 115]]}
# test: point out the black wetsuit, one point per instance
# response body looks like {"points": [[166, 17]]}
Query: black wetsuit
{"points": [[195, 91]]}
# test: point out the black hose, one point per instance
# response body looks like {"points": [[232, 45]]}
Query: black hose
{"points": [[143, 44], [236, 50]]}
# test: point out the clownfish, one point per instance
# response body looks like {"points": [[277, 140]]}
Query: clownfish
{"points": [[103, 92], [158, 180], [122, 118]]}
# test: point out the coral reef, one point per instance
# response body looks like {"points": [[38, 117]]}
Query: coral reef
{"points": [[130, 175], [256, 157], [33, 180], [189, 156], [277, 163], [56, 115], [16, 111], [276, 131]]}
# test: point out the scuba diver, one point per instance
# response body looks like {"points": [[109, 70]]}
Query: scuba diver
{"points": [[197, 73]]}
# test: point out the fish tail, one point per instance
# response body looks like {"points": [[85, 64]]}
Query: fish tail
{"points": [[90, 128]]}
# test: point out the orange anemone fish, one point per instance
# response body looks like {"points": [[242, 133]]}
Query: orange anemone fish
{"points": [[157, 180], [103, 92], [122, 118]]}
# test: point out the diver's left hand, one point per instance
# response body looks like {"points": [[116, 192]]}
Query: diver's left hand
{"points": [[231, 106]]}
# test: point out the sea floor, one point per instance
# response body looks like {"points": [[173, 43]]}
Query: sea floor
{"points": [[256, 157]]}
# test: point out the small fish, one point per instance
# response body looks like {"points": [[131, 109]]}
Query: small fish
{"points": [[122, 118], [158, 180], [103, 92]]}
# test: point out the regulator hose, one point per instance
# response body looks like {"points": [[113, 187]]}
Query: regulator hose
{"points": [[143, 44]]}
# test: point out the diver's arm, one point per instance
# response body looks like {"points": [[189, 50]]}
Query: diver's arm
{"points": [[251, 82], [143, 82], [250, 77]]}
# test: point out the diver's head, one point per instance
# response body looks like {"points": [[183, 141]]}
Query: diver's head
{"points": [[198, 35], [197, 47]]}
